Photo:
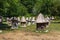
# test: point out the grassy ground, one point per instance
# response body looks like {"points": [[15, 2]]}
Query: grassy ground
{"points": [[29, 33], [54, 25]]}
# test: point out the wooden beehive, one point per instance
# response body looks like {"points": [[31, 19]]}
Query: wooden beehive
{"points": [[40, 22]]}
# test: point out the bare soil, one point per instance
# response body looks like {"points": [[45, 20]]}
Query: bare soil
{"points": [[19, 35]]}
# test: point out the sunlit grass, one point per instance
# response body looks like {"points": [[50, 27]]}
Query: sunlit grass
{"points": [[54, 26]]}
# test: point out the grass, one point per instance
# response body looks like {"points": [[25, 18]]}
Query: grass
{"points": [[28, 28], [54, 26], [32, 28]]}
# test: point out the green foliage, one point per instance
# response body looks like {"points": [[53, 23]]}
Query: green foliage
{"points": [[29, 7], [28, 4]]}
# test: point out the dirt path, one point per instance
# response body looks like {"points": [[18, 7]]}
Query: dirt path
{"points": [[18, 35]]}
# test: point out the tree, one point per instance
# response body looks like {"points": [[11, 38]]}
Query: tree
{"points": [[29, 4], [29, 7], [12, 8]]}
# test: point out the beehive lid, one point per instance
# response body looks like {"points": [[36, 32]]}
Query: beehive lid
{"points": [[23, 19], [53, 17], [33, 18], [18, 18], [40, 18], [27, 18], [47, 19]]}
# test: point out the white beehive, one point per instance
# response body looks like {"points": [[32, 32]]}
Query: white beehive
{"points": [[18, 20], [27, 18], [23, 19], [33, 20], [29, 21], [23, 22], [48, 21]]}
